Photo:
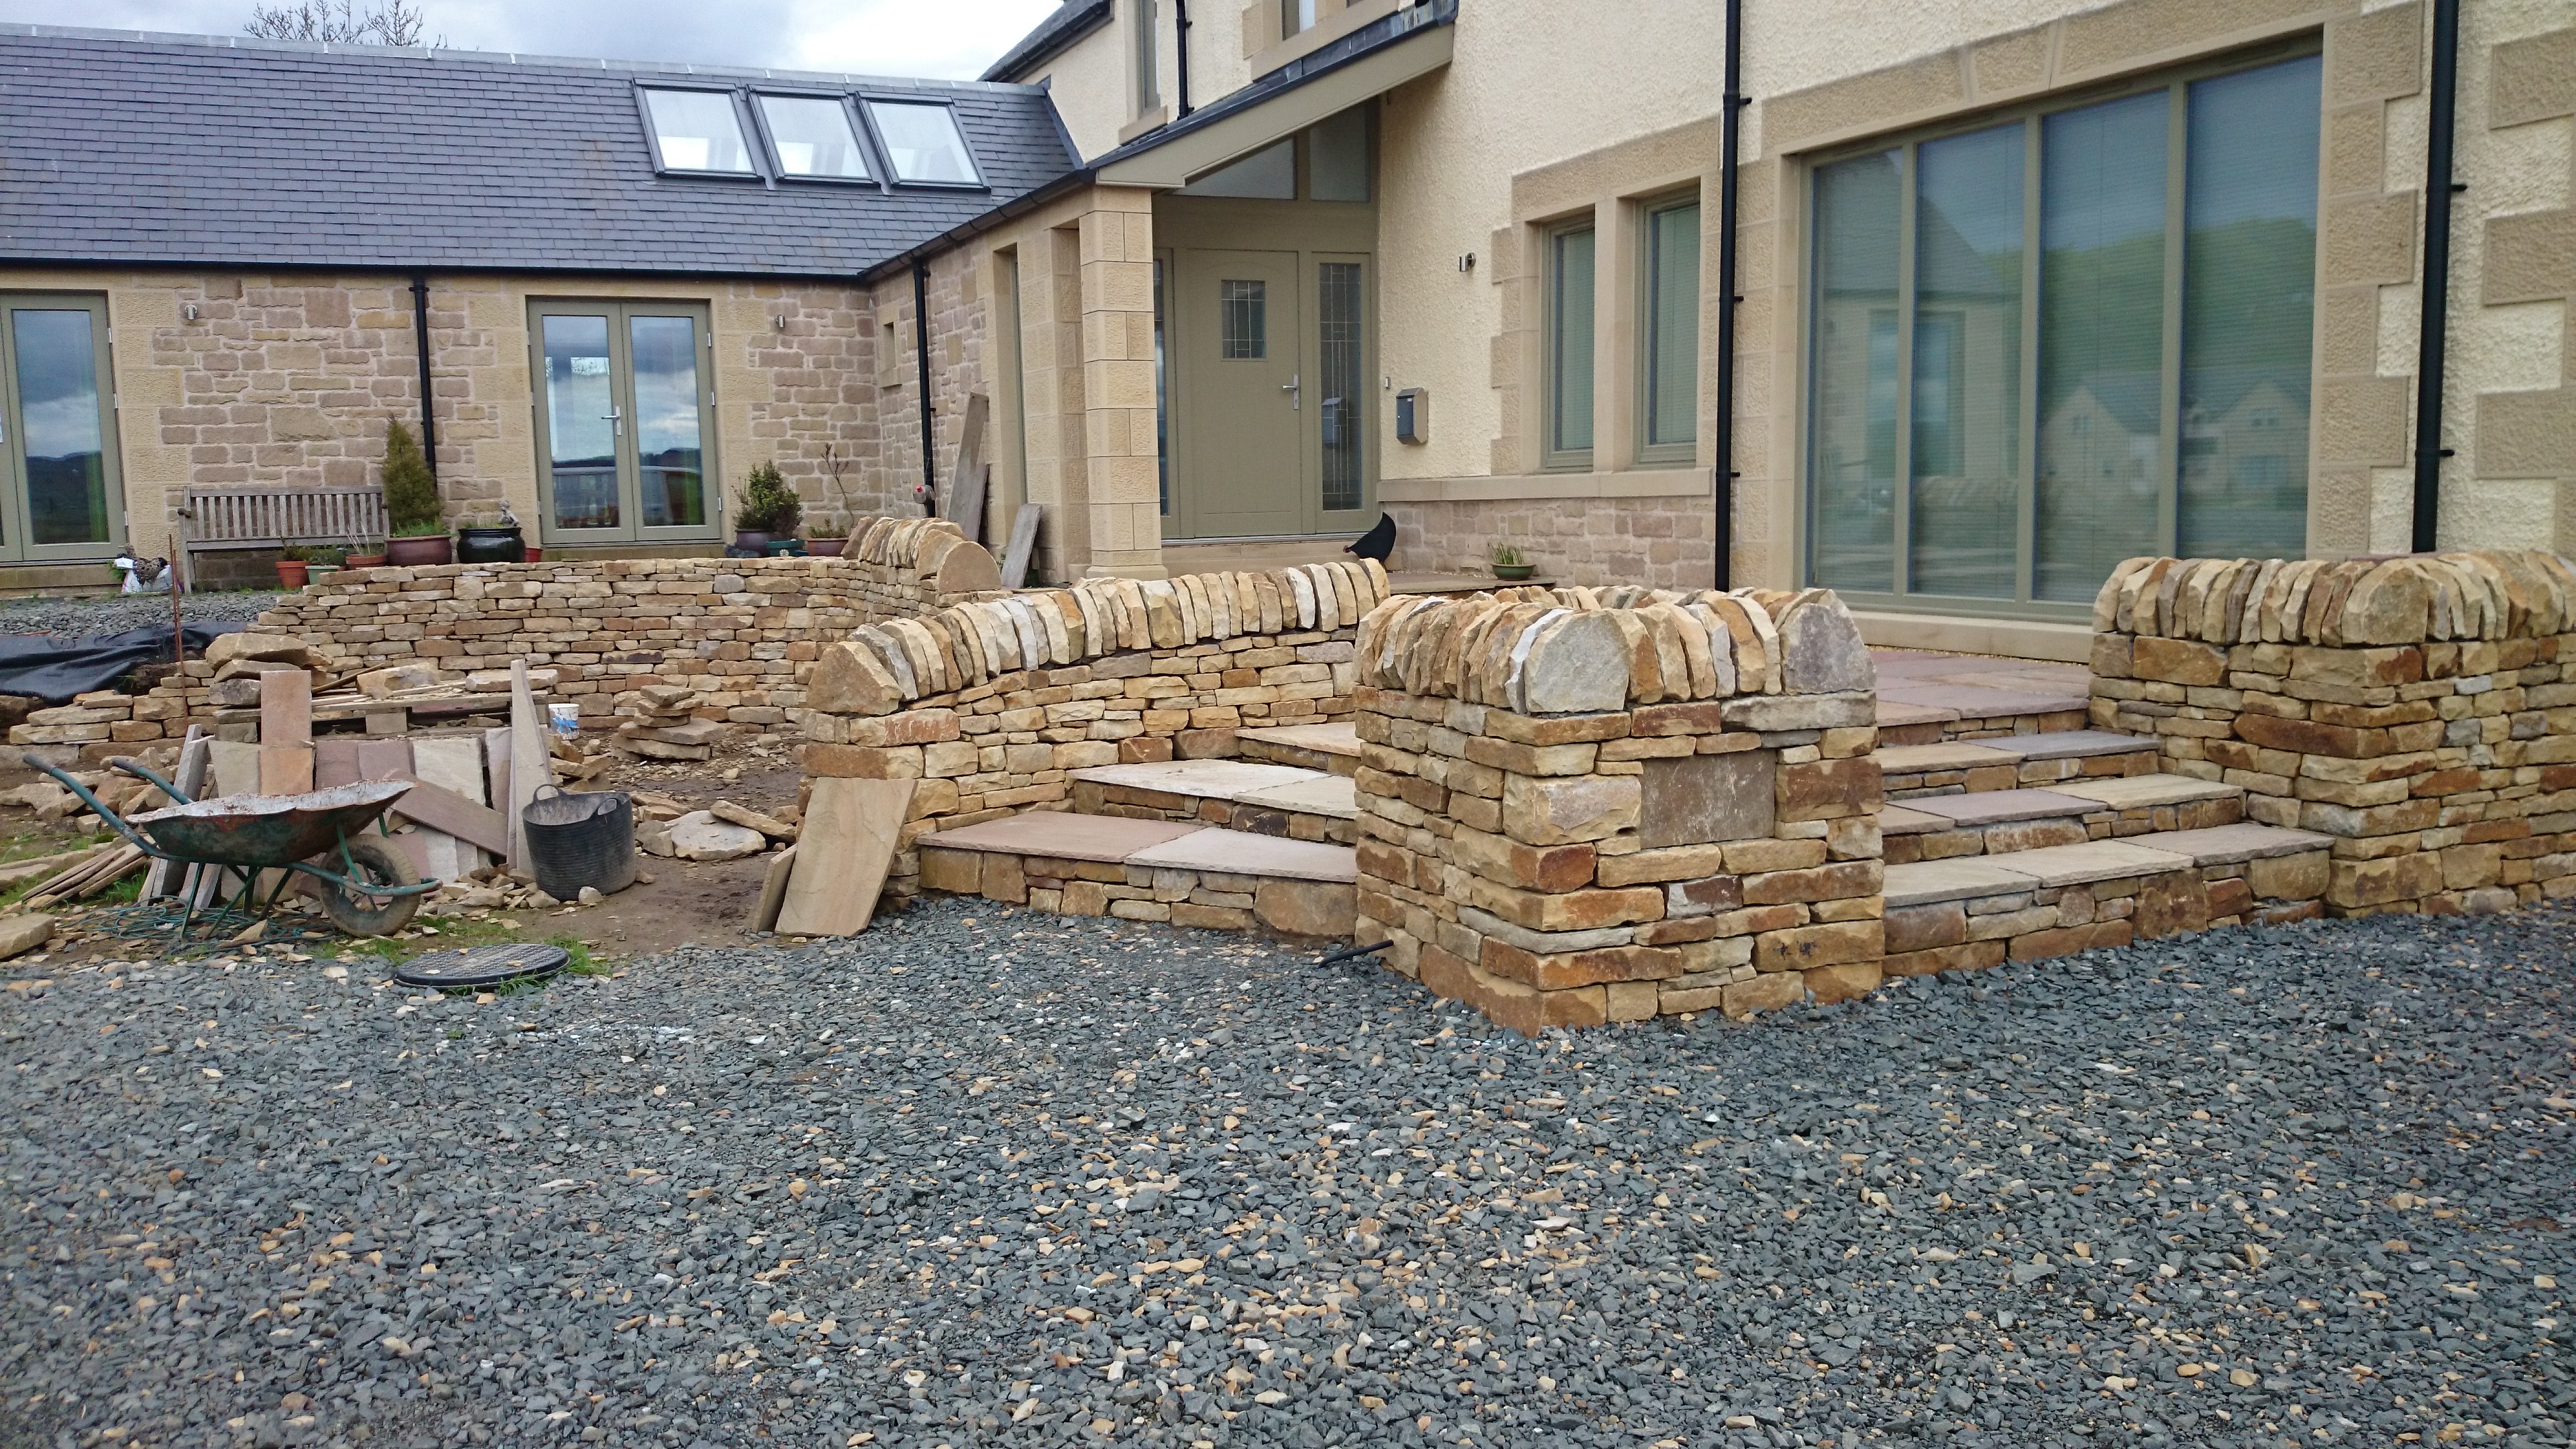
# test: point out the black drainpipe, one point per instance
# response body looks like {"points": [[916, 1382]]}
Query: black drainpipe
{"points": [[2430, 348], [420, 332], [1733, 102], [1181, 38], [921, 350]]}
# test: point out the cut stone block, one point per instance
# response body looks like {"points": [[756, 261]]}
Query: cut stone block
{"points": [[2068, 744], [1297, 907], [1701, 799], [1986, 807], [2233, 844], [699, 835], [453, 763], [235, 765], [1577, 666], [2066, 865], [851, 828], [1333, 796], [1967, 878], [1323, 739], [2140, 792], [1233, 852], [1948, 755], [1897, 820], [1102, 838]]}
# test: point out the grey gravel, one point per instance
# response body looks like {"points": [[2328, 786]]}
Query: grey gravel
{"points": [[988, 1178], [116, 613]]}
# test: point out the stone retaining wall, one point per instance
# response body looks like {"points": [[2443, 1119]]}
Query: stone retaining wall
{"points": [[1580, 806], [992, 703], [2419, 710]]}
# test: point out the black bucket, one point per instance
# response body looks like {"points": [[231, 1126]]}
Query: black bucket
{"points": [[581, 840], [491, 545]]}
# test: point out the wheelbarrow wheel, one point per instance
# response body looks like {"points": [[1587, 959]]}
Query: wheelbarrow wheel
{"points": [[373, 860]]}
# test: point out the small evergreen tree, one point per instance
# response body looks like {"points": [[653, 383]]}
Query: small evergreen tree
{"points": [[766, 504], [411, 491]]}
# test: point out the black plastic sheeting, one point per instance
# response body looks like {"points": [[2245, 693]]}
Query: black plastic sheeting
{"points": [[53, 668]]}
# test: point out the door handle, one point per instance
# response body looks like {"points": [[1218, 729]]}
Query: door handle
{"points": [[1296, 394], [616, 422]]}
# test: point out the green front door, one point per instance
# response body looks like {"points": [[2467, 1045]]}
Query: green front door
{"points": [[63, 497], [625, 421]]}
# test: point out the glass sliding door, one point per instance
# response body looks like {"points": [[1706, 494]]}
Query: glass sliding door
{"points": [[2043, 345], [625, 410], [64, 498]]}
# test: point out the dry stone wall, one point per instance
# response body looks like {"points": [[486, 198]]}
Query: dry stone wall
{"points": [[1580, 806], [2418, 710], [992, 703]]}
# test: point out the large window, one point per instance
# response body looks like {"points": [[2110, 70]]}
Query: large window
{"points": [[1148, 84], [61, 498], [1668, 371], [697, 131], [1569, 346], [813, 138], [2039, 347], [625, 416], [922, 141]]}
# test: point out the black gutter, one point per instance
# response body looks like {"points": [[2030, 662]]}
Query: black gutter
{"points": [[921, 352], [420, 332], [1181, 42], [2432, 338], [1733, 103]]}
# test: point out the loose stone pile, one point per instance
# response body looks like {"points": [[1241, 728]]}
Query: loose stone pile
{"points": [[660, 722], [2418, 710], [1580, 807]]}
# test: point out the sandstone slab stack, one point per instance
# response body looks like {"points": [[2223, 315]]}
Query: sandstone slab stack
{"points": [[994, 703], [2417, 710], [1580, 806]]}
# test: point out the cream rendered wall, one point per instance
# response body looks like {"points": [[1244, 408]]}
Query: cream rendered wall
{"points": [[1088, 83]]}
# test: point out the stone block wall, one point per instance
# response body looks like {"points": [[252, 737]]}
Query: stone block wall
{"points": [[992, 703], [2419, 710], [1582, 806]]}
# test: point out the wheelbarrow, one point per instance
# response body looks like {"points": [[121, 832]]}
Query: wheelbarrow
{"points": [[367, 885]]}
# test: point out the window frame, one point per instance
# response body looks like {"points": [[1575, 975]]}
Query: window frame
{"points": [[1553, 459], [2173, 81], [16, 508], [747, 125], [620, 312], [1649, 453], [849, 113], [868, 101], [1144, 59]]}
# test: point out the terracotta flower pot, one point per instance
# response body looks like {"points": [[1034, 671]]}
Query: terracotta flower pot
{"points": [[432, 548], [826, 547], [290, 573], [1513, 571], [366, 560]]}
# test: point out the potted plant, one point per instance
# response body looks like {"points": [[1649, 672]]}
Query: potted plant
{"points": [[765, 508], [825, 538], [490, 537], [412, 510], [1508, 563], [308, 563], [290, 570], [365, 553]]}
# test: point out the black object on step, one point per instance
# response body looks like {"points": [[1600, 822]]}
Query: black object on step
{"points": [[581, 840], [1378, 543], [1350, 953], [477, 966], [491, 545]]}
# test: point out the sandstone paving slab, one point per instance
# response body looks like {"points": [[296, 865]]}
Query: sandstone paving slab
{"points": [[1990, 807], [1236, 852], [2139, 792], [1061, 836], [1977, 702], [1897, 820], [1906, 664], [1336, 796], [2234, 844], [1948, 755], [1895, 713], [2069, 744], [1207, 779], [1965, 878], [2066, 865], [1338, 738]]}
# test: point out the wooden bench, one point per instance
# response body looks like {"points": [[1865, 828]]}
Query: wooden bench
{"points": [[212, 519]]}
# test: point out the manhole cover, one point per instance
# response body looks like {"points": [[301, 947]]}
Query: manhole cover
{"points": [[482, 966]]}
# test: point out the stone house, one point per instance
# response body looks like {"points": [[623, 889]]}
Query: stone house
{"points": [[606, 291]]}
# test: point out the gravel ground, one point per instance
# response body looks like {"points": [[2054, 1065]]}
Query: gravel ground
{"points": [[2244, 1188], [116, 613]]}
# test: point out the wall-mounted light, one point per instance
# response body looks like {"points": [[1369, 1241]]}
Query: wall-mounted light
{"points": [[1467, 263], [189, 311], [781, 321]]}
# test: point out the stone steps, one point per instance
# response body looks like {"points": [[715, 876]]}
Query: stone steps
{"points": [[1972, 912], [1260, 799], [1333, 749], [2010, 762], [2069, 812], [1182, 872]]}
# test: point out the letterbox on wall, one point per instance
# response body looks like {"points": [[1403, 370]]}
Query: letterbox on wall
{"points": [[1413, 415]]}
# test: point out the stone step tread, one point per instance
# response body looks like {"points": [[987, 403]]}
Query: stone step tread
{"points": [[1202, 779], [1336, 738], [1923, 813], [1236, 852], [2138, 792], [2231, 844], [1058, 835], [1947, 755], [1968, 877], [2068, 744], [1336, 796]]}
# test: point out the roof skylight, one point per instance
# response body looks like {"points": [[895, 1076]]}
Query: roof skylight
{"points": [[813, 137], [922, 141], [698, 131]]}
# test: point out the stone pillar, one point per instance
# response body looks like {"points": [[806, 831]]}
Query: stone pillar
{"points": [[1121, 455]]}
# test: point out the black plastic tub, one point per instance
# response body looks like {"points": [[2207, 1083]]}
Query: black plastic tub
{"points": [[580, 840], [491, 545]]}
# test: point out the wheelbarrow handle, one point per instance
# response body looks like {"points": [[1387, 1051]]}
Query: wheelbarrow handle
{"points": [[90, 800], [141, 771]]}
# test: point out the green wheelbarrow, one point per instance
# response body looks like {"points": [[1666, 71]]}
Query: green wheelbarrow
{"points": [[367, 885]]}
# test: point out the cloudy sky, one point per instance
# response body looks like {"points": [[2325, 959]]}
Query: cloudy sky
{"points": [[946, 38]]}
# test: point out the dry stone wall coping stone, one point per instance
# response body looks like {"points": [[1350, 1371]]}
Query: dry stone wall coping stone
{"points": [[2419, 598]]}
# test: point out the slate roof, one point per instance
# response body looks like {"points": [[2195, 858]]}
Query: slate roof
{"points": [[127, 148], [1071, 21]]}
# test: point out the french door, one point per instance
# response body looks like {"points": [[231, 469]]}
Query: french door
{"points": [[60, 493], [625, 421]]}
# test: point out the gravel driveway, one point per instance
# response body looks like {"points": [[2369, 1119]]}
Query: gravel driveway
{"points": [[993, 1179], [116, 613]]}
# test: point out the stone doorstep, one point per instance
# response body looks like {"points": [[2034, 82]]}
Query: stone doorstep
{"points": [[1993, 807], [1103, 839], [2233, 844], [1893, 714], [1968, 877], [2142, 792], [1332, 796], [1940, 758], [1898, 820], [1339, 738], [2066, 865], [1213, 779], [2068, 744], [1235, 852], [1970, 701]]}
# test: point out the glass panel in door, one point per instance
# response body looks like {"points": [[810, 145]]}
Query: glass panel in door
{"points": [[63, 501], [670, 463], [1341, 370], [584, 424]]}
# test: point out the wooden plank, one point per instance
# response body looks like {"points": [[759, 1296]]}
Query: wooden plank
{"points": [[444, 809], [969, 488], [196, 757], [1024, 545], [853, 826], [496, 767], [530, 765], [773, 892], [965, 501]]}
